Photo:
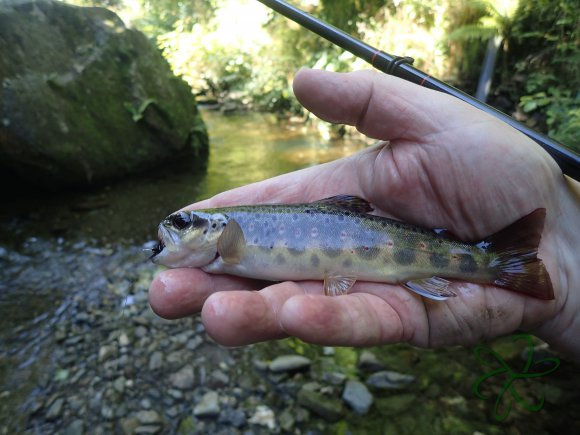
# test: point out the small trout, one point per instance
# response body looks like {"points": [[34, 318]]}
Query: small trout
{"points": [[336, 240]]}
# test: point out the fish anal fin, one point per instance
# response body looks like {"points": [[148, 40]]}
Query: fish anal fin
{"points": [[338, 285], [347, 202], [433, 288], [231, 244]]}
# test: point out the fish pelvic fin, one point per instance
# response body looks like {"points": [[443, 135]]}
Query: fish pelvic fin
{"points": [[338, 285], [516, 264]]}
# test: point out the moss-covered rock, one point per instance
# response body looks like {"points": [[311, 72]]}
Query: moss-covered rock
{"points": [[83, 99]]}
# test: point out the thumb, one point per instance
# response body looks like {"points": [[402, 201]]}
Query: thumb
{"points": [[379, 105]]}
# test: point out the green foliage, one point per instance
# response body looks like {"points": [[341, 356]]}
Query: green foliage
{"points": [[545, 52], [539, 65]]}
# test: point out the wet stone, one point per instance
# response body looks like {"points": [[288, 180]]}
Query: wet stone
{"points": [[183, 379], [146, 417], [217, 379], [232, 417], [119, 384], [208, 406], [155, 361], [334, 378], [75, 428], [328, 408], [106, 352], [107, 412], [389, 380], [368, 362], [357, 396], [263, 416], [55, 409], [194, 343], [290, 363]]}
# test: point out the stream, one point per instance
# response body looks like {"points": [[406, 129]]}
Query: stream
{"points": [[82, 352]]}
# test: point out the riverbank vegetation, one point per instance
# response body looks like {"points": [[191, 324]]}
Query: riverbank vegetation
{"points": [[242, 55]]}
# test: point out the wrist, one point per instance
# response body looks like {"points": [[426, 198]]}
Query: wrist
{"points": [[562, 330]]}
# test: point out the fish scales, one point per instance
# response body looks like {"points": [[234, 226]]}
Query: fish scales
{"points": [[307, 242], [336, 240]]}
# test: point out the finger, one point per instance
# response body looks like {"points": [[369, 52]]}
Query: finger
{"points": [[240, 317], [357, 319], [380, 106], [178, 293]]}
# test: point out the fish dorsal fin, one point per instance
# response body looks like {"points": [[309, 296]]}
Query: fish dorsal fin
{"points": [[231, 244], [433, 288], [347, 202], [338, 285]]}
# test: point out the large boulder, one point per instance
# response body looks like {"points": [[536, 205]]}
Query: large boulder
{"points": [[83, 99]]}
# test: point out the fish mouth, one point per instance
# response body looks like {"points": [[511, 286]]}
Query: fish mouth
{"points": [[157, 249], [160, 243]]}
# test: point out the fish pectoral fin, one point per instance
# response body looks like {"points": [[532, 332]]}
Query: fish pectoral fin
{"points": [[347, 202], [231, 244], [433, 288], [338, 285]]}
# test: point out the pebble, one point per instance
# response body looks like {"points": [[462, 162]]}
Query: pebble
{"points": [[106, 352], [124, 340], [147, 416], [389, 380], [119, 384], [183, 379], [263, 416], [194, 343], [208, 406], [217, 379], [55, 409], [77, 427], [334, 378], [155, 361], [329, 408], [232, 417], [290, 363], [357, 396], [368, 362]]}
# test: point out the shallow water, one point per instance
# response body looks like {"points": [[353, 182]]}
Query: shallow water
{"points": [[244, 148]]}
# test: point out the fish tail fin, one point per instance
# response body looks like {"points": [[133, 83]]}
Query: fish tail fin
{"points": [[516, 263]]}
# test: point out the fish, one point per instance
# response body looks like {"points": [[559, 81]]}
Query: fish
{"points": [[338, 241]]}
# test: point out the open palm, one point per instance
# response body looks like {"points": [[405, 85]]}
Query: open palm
{"points": [[446, 165]]}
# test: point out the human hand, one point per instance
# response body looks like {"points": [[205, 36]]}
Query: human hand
{"points": [[447, 165]]}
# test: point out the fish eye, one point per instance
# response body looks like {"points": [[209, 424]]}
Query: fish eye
{"points": [[181, 220]]}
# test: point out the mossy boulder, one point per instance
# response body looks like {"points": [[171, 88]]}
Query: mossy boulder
{"points": [[84, 99]]}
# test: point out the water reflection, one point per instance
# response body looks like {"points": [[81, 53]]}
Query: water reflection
{"points": [[244, 148]]}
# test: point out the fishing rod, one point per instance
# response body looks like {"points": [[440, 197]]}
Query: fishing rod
{"points": [[401, 67]]}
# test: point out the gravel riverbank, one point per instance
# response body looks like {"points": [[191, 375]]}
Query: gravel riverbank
{"points": [[82, 352]]}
